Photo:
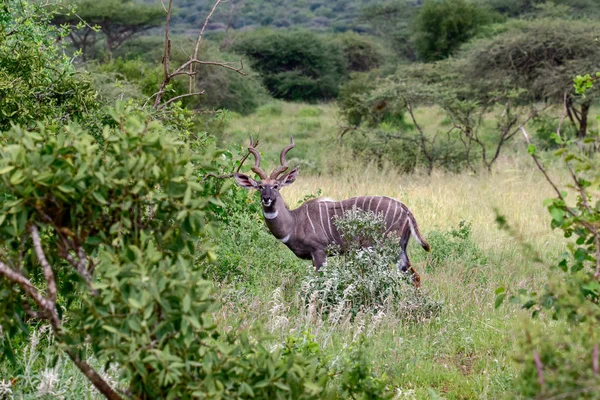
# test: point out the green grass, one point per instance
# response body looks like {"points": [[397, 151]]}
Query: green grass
{"points": [[467, 350]]}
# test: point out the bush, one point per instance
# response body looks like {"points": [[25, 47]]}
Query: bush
{"points": [[399, 147], [224, 89], [361, 52], [37, 80], [442, 26], [541, 56], [365, 279], [454, 245], [294, 65]]}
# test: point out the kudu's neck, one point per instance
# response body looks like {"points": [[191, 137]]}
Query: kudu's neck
{"points": [[279, 219]]}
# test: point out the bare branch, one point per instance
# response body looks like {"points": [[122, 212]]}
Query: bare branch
{"points": [[595, 364], [162, 2], [25, 284], [48, 273], [97, 380], [166, 103], [197, 47], [539, 367], [211, 175]]}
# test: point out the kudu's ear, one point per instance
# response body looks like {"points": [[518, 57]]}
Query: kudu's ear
{"points": [[245, 181], [289, 178]]}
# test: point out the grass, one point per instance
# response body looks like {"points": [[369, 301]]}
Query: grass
{"points": [[465, 352]]}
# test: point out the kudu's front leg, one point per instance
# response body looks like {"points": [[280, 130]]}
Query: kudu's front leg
{"points": [[319, 258]]}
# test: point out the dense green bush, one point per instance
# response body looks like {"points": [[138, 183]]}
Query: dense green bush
{"points": [[442, 26], [294, 65], [362, 53], [37, 80]]}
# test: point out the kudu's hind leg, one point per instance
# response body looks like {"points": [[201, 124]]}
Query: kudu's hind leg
{"points": [[319, 258], [404, 262]]}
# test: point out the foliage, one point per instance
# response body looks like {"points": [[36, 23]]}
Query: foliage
{"points": [[391, 21], [361, 52], [37, 81], [311, 14], [223, 89], [357, 376], [294, 65], [542, 57], [441, 26], [116, 20], [365, 279], [455, 245], [558, 363]]}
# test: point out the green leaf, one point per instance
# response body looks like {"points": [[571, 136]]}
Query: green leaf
{"points": [[99, 197], [133, 302], [17, 178], [531, 149], [6, 169], [499, 299], [187, 301], [66, 188]]}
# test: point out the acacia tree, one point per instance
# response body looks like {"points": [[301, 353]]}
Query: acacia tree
{"points": [[116, 20], [541, 57]]}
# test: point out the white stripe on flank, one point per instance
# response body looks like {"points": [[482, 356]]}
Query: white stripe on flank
{"points": [[321, 219], [310, 220], [370, 201], [394, 218], [329, 224], [272, 215], [378, 203], [355, 202], [285, 239], [342, 205], [364, 201], [387, 211]]}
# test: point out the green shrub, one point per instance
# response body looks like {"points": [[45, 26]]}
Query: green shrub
{"points": [[361, 52], [442, 26], [454, 245], [37, 80], [399, 147], [294, 65], [365, 279]]}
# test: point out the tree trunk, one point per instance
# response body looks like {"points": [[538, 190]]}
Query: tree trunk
{"points": [[583, 124]]}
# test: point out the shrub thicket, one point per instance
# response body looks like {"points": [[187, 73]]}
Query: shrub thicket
{"points": [[442, 26], [295, 64], [37, 80]]}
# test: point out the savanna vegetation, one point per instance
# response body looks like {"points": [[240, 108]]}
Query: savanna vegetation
{"points": [[132, 266]]}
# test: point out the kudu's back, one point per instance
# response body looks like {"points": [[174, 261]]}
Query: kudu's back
{"points": [[397, 217]]}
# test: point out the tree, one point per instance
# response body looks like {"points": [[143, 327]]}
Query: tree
{"points": [[391, 21], [442, 26], [117, 20], [542, 57], [294, 65]]}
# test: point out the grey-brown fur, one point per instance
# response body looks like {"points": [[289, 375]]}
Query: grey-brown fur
{"points": [[310, 228]]}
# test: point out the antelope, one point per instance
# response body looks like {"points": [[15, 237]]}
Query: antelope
{"points": [[309, 229]]}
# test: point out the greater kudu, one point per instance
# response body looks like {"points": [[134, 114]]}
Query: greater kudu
{"points": [[309, 229]]}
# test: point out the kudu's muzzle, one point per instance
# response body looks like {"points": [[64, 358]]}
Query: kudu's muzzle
{"points": [[268, 196]]}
